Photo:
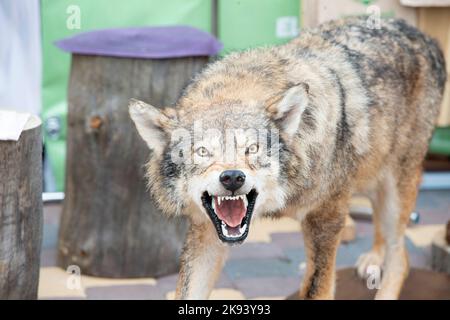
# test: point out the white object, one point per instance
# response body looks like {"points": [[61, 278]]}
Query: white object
{"points": [[20, 55], [12, 124], [318, 11], [287, 27], [425, 3], [53, 196], [435, 181]]}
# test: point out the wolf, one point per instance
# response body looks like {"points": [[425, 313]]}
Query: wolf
{"points": [[295, 130]]}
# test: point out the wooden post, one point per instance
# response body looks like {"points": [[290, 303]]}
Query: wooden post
{"points": [[349, 232], [21, 213], [109, 225], [440, 251]]}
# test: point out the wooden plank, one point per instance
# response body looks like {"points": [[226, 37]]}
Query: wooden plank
{"points": [[349, 232], [309, 13]]}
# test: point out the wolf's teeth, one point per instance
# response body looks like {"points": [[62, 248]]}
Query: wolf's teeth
{"points": [[224, 229], [226, 234], [238, 197], [245, 201]]}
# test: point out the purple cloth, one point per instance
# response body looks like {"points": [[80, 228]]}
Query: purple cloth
{"points": [[143, 42]]}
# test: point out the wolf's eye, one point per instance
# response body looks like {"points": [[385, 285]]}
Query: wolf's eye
{"points": [[253, 148], [202, 152]]}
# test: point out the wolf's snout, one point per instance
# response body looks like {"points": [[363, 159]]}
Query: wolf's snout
{"points": [[232, 179]]}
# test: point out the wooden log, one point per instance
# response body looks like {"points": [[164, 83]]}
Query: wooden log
{"points": [[21, 213], [440, 252], [109, 225]]}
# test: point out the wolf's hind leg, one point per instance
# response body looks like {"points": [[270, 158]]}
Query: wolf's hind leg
{"points": [[322, 231], [201, 262], [400, 196], [375, 256]]}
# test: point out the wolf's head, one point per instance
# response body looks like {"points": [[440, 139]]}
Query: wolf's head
{"points": [[221, 160]]}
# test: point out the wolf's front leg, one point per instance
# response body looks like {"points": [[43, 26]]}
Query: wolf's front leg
{"points": [[321, 231], [201, 262]]}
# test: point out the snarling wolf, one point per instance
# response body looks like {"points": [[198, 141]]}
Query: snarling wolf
{"points": [[296, 130]]}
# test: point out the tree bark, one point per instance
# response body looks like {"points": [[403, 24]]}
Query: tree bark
{"points": [[110, 226], [21, 213]]}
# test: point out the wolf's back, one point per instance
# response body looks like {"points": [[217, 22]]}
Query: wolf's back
{"points": [[385, 80], [391, 48]]}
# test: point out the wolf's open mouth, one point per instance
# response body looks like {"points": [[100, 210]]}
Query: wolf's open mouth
{"points": [[230, 215]]}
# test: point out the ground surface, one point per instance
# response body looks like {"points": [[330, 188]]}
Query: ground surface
{"points": [[269, 265]]}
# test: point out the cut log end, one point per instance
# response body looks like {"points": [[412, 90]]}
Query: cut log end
{"points": [[32, 123]]}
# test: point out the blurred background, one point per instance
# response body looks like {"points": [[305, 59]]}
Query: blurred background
{"points": [[31, 61], [34, 78]]}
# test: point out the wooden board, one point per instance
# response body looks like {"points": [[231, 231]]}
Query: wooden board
{"points": [[349, 232], [314, 12], [436, 23]]}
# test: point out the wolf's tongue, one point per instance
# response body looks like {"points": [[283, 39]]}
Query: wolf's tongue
{"points": [[230, 211]]}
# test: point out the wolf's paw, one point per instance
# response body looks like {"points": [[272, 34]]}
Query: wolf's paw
{"points": [[371, 258]]}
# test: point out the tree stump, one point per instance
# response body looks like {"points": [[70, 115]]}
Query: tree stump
{"points": [[21, 213], [109, 226]]}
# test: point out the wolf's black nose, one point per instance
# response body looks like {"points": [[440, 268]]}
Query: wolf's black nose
{"points": [[232, 179]]}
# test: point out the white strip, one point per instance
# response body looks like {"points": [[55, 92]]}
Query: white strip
{"points": [[12, 124], [52, 196], [226, 234], [435, 181]]}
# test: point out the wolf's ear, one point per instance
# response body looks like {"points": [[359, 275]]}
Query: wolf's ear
{"points": [[288, 109], [152, 124]]}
